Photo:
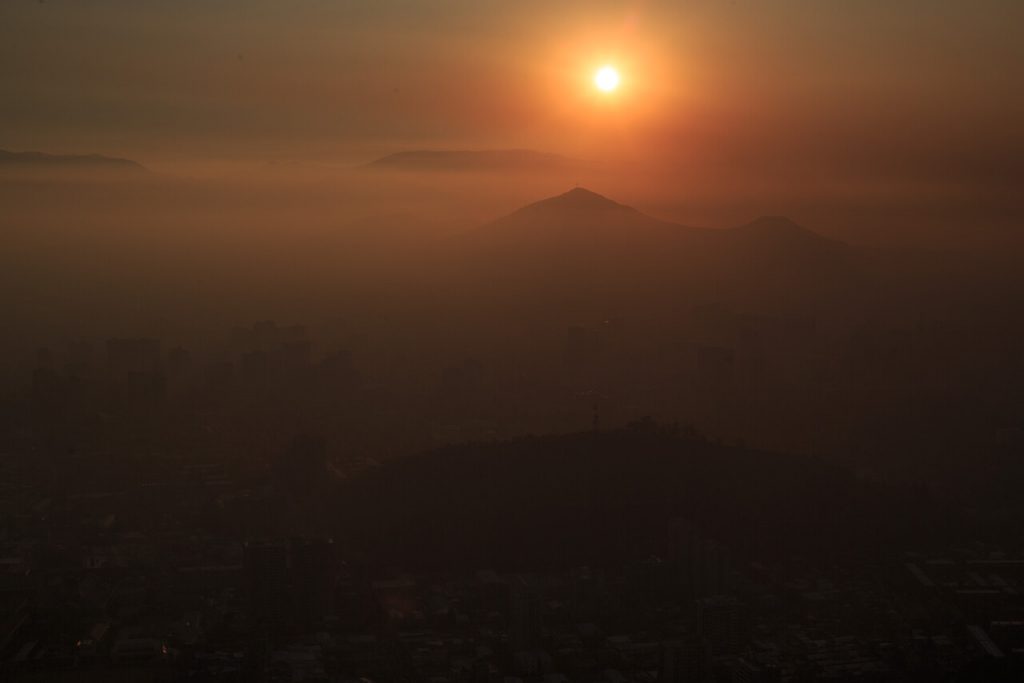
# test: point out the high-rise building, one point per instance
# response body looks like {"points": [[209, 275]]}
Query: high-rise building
{"points": [[746, 671], [683, 661], [134, 371], [312, 575], [723, 623], [525, 616], [266, 573]]}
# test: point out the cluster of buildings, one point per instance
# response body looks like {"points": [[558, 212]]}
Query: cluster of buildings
{"points": [[167, 567], [179, 569]]}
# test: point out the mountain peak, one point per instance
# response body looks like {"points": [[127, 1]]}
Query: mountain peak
{"points": [[579, 200], [575, 218], [582, 194], [779, 227]]}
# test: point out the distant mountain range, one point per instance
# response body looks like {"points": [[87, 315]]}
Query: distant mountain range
{"points": [[472, 160], [583, 223], [10, 159], [585, 248], [581, 214]]}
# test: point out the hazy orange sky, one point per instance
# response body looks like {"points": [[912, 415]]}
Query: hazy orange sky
{"points": [[920, 91]]}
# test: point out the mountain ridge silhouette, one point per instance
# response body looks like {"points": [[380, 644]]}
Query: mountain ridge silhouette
{"points": [[43, 159], [583, 213]]}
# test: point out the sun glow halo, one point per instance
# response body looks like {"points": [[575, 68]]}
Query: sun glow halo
{"points": [[606, 79]]}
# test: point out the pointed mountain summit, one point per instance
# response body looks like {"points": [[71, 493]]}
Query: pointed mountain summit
{"points": [[778, 239], [779, 228], [580, 198], [577, 204], [577, 201], [576, 218]]}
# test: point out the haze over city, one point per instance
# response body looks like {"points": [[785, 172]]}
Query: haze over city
{"points": [[501, 342]]}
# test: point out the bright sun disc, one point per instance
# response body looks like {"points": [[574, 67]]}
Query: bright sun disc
{"points": [[606, 79]]}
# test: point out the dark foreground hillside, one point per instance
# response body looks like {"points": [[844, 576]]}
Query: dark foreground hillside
{"points": [[610, 497]]}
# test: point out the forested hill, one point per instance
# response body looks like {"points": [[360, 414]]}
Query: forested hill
{"points": [[611, 496]]}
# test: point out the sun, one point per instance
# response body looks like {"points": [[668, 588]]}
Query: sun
{"points": [[606, 79]]}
